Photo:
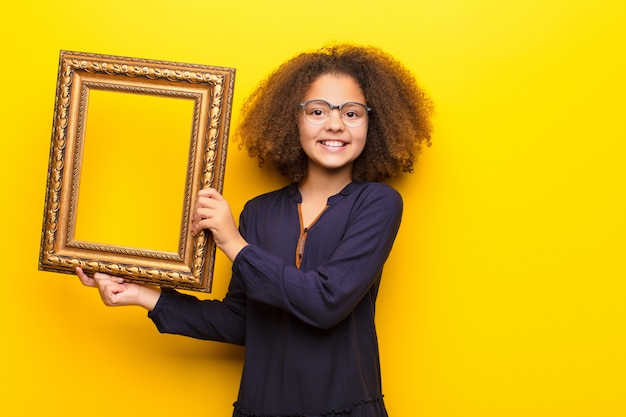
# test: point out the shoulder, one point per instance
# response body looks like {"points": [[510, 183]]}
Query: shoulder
{"points": [[373, 200], [270, 201], [275, 195], [377, 191]]}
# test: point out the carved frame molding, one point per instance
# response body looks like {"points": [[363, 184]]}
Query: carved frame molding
{"points": [[211, 89]]}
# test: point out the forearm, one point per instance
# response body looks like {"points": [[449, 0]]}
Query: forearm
{"points": [[184, 314], [147, 297], [233, 247], [321, 297]]}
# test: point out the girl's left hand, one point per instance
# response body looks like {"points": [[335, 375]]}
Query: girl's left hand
{"points": [[213, 213], [114, 291]]}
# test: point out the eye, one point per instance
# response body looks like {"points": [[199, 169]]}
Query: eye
{"points": [[352, 111], [317, 109], [351, 115]]}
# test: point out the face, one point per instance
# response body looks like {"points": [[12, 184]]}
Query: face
{"points": [[332, 146]]}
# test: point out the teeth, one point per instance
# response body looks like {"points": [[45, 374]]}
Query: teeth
{"points": [[333, 143]]}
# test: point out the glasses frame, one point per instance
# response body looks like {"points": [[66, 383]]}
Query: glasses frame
{"points": [[368, 110]]}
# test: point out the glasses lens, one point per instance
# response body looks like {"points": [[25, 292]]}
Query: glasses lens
{"points": [[319, 111], [316, 111], [353, 114]]}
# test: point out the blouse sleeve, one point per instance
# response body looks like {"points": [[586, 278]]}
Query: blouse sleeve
{"points": [[218, 320], [325, 296]]}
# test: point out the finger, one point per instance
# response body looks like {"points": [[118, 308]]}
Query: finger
{"points": [[208, 197], [84, 278], [202, 219], [208, 192], [204, 212], [99, 276], [109, 290], [209, 202], [199, 226], [116, 290], [109, 285]]}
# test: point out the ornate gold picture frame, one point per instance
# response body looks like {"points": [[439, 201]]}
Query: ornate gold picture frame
{"points": [[208, 93]]}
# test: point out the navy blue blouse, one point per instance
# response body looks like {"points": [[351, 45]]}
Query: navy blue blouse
{"points": [[309, 332]]}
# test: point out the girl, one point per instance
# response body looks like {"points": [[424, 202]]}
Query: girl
{"points": [[308, 258]]}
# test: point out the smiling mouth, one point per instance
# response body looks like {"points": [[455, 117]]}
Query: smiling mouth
{"points": [[333, 143]]}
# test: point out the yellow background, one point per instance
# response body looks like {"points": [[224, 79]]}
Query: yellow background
{"points": [[504, 295], [129, 151]]}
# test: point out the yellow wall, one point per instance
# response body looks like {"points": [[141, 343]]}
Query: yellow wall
{"points": [[504, 295]]}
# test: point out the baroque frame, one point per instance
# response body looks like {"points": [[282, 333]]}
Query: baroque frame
{"points": [[211, 89]]}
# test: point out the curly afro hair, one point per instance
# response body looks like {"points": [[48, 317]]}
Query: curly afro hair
{"points": [[399, 124]]}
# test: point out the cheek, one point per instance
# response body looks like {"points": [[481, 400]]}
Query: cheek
{"points": [[307, 131], [363, 135], [362, 140], [301, 127]]}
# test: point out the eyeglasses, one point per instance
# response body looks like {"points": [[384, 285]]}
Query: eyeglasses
{"points": [[352, 114]]}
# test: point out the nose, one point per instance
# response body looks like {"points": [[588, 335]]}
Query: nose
{"points": [[335, 122]]}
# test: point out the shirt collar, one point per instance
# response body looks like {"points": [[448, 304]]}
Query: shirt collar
{"points": [[295, 195]]}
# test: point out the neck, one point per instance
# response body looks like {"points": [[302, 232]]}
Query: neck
{"points": [[324, 183]]}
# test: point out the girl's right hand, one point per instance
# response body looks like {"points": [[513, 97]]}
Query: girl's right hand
{"points": [[114, 291], [213, 213]]}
